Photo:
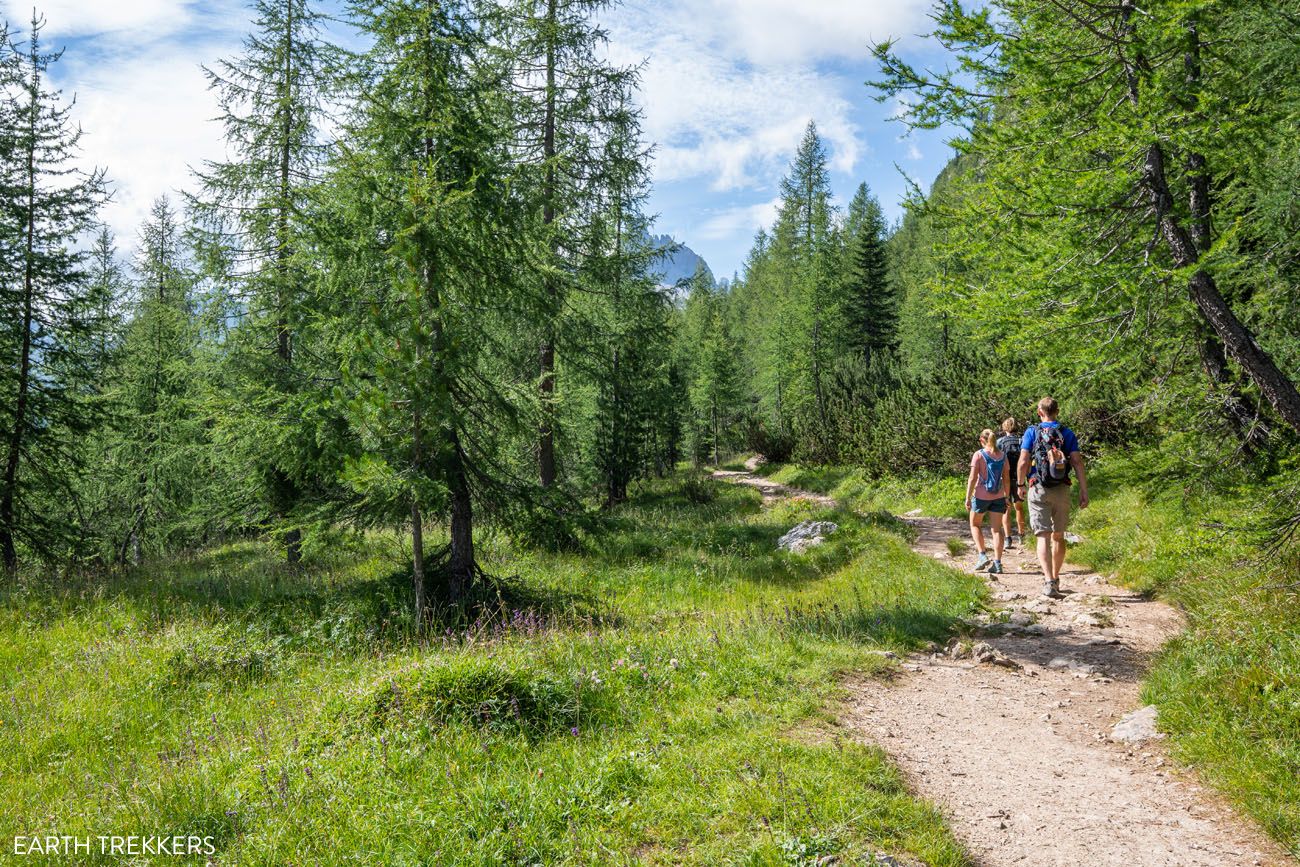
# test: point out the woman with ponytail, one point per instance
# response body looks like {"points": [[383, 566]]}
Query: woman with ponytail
{"points": [[987, 488]]}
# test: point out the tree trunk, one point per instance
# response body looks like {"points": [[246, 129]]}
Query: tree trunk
{"points": [[460, 567], [8, 516], [1237, 340], [417, 562], [1236, 407], [286, 488], [546, 431]]}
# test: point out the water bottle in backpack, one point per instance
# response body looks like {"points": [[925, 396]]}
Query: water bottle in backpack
{"points": [[1051, 464]]}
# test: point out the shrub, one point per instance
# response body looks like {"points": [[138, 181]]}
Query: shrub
{"points": [[225, 656], [484, 694], [699, 488]]}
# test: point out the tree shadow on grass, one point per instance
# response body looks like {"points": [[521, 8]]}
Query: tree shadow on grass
{"points": [[905, 626], [349, 608]]}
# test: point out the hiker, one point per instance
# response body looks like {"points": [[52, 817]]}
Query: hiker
{"points": [[986, 491], [1048, 452], [1010, 443]]}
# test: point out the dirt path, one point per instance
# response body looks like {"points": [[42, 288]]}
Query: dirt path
{"points": [[1021, 753]]}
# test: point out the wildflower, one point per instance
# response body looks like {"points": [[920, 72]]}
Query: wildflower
{"points": [[574, 731], [673, 664]]}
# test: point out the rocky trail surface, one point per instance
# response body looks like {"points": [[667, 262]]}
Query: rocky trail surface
{"points": [[1030, 734]]}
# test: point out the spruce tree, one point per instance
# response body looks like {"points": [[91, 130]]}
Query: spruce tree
{"points": [[870, 301], [46, 203]]}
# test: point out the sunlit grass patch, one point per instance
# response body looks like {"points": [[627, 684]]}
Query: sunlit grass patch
{"points": [[639, 712]]}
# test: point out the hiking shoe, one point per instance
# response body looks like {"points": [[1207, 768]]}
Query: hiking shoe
{"points": [[996, 568], [1011, 542], [983, 562], [1052, 591]]}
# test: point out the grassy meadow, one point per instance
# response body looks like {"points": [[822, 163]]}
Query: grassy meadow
{"points": [[664, 698]]}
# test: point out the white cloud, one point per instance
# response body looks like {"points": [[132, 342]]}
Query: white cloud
{"points": [[742, 220], [147, 119], [727, 109], [64, 18], [777, 31], [133, 67]]}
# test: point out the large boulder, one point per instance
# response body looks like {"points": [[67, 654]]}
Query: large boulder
{"points": [[805, 535]]}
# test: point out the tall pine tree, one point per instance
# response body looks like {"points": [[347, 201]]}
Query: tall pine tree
{"points": [[46, 203], [870, 301], [251, 207]]}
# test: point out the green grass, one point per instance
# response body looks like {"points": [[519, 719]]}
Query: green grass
{"points": [[1228, 688], [936, 495], [663, 703]]}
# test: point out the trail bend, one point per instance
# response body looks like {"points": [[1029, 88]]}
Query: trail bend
{"points": [[1020, 755]]}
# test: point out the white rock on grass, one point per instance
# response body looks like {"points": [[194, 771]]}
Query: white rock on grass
{"points": [[805, 535], [1138, 726]]}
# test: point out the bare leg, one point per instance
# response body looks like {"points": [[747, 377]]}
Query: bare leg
{"points": [[1058, 555], [976, 529], [999, 538], [1005, 520], [1046, 558]]}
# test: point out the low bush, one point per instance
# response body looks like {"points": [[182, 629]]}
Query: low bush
{"points": [[486, 694], [224, 657]]}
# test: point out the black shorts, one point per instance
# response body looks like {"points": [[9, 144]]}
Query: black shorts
{"points": [[1015, 495], [981, 506]]}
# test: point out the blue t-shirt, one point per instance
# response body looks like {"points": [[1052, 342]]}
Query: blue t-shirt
{"points": [[1031, 434]]}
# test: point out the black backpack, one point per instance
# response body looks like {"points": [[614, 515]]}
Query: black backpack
{"points": [[1051, 463], [1010, 445]]}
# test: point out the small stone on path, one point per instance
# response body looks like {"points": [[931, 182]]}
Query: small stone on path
{"points": [[1138, 726]]}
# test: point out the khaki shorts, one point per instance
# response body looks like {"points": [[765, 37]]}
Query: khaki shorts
{"points": [[1049, 509]]}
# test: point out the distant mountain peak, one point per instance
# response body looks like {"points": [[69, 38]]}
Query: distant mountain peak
{"points": [[678, 265]]}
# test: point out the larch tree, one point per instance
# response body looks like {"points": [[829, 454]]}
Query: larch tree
{"points": [[417, 233], [1109, 143], [161, 451], [714, 384], [250, 205], [568, 102], [627, 311], [46, 204], [806, 245]]}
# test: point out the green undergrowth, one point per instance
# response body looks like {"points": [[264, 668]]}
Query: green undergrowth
{"points": [[940, 496], [1228, 687], [663, 699]]}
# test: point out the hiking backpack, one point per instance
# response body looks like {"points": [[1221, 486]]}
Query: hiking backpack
{"points": [[1009, 444], [1051, 463], [993, 471]]}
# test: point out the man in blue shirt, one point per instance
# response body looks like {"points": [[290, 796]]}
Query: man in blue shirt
{"points": [[1048, 452]]}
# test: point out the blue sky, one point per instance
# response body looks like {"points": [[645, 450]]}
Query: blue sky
{"points": [[727, 88]]}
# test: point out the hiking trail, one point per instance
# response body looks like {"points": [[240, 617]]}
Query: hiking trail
{"points": [[1020, 750]]}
